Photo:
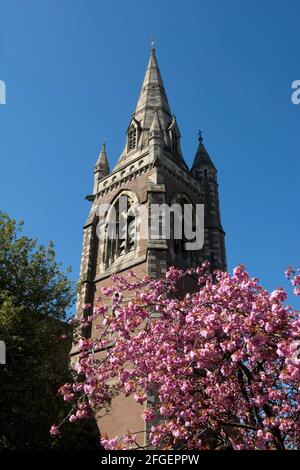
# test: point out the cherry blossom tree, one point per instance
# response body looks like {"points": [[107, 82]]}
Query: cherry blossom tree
{"points": [[223, 361]]}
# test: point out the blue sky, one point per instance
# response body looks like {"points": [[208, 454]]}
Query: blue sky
{"points": [[73, 70]]}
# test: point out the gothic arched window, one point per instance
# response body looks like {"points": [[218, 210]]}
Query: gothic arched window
{"points": [[185, 216], [132, 135], [120, 230]]}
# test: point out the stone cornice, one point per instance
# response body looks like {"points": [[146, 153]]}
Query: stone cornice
{"points": [[131, 170], [141, 164]]}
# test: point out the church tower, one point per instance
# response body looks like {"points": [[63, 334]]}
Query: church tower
{"points": [[151, 170]]}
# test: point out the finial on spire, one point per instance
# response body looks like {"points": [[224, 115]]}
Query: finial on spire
{"points": [[102, 159], [101, 169], [200, 138], [152, 42]]}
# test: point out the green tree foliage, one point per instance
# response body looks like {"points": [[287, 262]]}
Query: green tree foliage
{"points": [[29, 273], [34, 296]]}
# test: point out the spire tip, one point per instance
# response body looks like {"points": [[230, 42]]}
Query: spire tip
{"points": [[152, 43]]}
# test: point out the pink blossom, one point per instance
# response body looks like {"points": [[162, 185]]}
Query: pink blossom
{"points": [[109, 444], [54, 431], [86, 306], [225, 353], [278, 295], [129, 439], [148, 415], [73, 418]]}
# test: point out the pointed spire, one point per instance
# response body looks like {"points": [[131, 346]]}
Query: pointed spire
{"points": [[102, 162], [101, 168], [152, 101], [202, 157], [153, 96]]}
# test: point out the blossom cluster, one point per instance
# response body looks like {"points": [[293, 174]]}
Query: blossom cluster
{"points": [[222, 360]]}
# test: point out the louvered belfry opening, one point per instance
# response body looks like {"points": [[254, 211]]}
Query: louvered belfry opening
{"points": [[131, 138], [120, 229]]}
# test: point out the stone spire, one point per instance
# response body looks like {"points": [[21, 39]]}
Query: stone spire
{"points": [[204, 171], [152, 109], [202, 158], [153, 97], [101, 168]]}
